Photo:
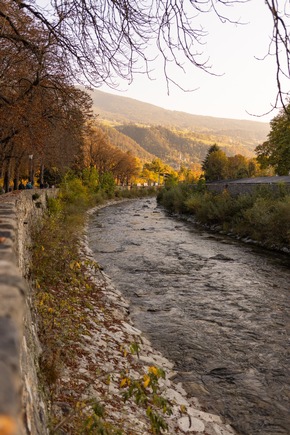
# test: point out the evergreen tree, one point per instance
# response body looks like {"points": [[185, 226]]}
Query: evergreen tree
{"points": [[212, 149], [215, 164]]}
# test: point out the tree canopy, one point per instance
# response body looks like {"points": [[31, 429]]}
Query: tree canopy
{"points": [[215, 165], [46, 50], [275, 152], [98, 153], [101, 41], [42, 115]]}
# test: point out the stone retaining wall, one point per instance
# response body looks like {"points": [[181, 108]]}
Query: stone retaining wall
{"points": [[22, 410]]}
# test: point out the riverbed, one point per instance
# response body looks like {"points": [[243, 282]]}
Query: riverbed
{"points": [[217, 308]]}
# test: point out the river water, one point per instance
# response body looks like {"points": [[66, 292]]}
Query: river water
{"points": [[217, 308]]}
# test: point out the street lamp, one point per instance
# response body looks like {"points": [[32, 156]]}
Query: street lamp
{"points": [[31, 168]]}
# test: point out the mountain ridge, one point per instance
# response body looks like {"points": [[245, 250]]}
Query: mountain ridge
{"points": [[198, 132], [109, 104]]}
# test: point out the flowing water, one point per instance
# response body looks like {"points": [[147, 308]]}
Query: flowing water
{"points": [[217, 308]]}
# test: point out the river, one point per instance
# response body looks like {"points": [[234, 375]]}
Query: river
{"points": [[217, 308]]}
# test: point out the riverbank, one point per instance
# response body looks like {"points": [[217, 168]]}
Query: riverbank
{"points": [[215, 307], [92, 355], [116, 335], [259, 217]]}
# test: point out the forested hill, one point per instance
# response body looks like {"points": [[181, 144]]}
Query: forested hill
{"points": [[126, 143], [168, 134]]}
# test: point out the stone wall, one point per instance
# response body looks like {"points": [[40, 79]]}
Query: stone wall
{"points": [[22, 409]]}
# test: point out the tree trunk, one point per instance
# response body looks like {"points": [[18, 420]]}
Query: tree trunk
{"points": [[41, 177], [6, 177], [16, 176]]}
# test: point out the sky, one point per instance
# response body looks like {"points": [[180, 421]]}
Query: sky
{"points": [[245, 87]]}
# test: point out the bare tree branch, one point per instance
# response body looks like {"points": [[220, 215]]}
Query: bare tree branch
{"points": [[280, 48], [106, 41]]}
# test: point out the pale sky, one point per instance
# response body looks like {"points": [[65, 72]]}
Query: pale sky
{"points": [[248, 84]]}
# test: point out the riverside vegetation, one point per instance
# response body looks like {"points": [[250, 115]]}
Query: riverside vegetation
{"points": [[262, 216], [63, 306], [64, 292]]}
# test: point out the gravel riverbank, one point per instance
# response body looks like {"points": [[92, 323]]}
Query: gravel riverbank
{"points": [[105, 352]]}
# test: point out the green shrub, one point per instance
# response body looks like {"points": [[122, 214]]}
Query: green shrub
{"points": [[74, 191], [173, 199], [195, 202], [262, 215], [212, 208], [107, 184], [54, 205], [90, 178], [268, 221], [280, 225]]}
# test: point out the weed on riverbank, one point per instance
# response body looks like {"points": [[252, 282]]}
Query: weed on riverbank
{"points": [[262, 216], [83, 390]]}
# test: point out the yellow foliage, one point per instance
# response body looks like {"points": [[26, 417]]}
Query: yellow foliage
{"points": [[74, 265], [124, 382], [153, 370], [147, 381], [183, 409]]}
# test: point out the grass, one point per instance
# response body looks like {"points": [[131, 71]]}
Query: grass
{"points": [[67, 301]]}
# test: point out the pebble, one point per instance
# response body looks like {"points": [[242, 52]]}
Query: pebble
{"points": [[107, 344], [190, 424]]}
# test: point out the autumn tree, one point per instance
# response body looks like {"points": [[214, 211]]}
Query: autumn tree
{"points": [[156, 171], [100, 42], [275, 152], [98, 153], [63, 142], [195, 171], [39, 109], [215, 164], [126, 168], [156, 166], [238, 166]]}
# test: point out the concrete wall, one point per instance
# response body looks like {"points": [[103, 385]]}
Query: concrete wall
{"points": [[22, 408]]}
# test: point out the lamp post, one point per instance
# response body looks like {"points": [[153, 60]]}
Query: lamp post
{"points": [[31, 168]]}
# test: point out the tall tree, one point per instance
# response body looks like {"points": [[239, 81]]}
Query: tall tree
{"points": [[238, 166], [103, 40], [211, 149], [37, 102], [98, 153], [215, 165], [275, 152]]}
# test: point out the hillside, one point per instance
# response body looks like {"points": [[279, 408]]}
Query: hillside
{"points": [[178, 146], [173, 135], [126, 143]]}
